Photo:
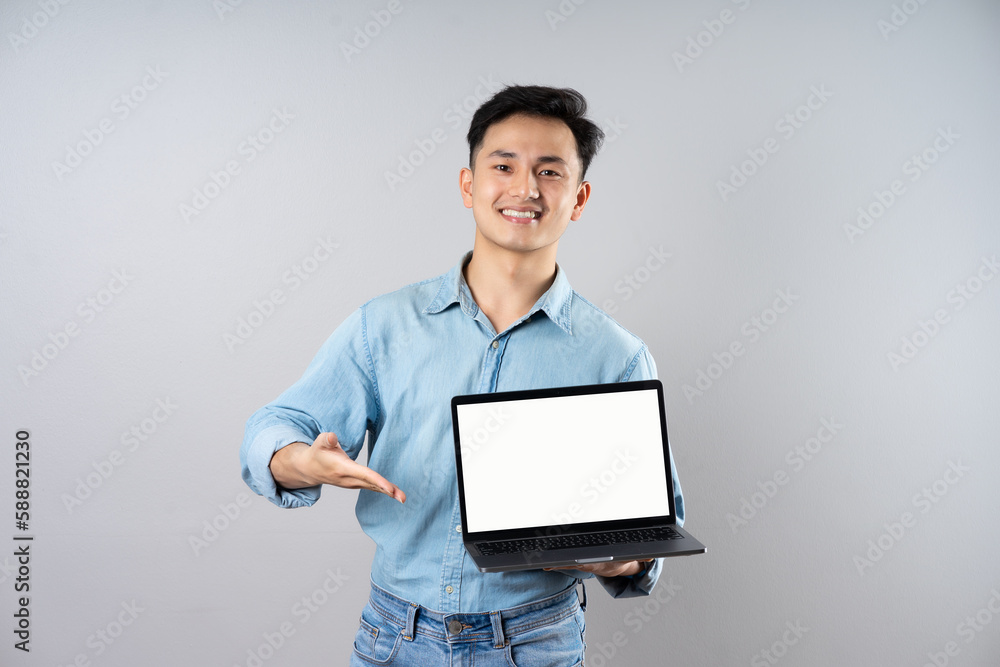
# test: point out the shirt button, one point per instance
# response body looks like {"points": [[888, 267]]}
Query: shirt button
{"points": [[458, 528], [496, 344], [454, 627], [449, 590]]}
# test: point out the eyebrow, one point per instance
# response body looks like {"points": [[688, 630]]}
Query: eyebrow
{"points": [[513, 156]]}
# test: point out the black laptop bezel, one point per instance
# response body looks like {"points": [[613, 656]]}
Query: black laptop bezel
{"points": [[572, 528]]}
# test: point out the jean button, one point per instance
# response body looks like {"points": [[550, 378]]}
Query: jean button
{"points": [[454, 627]]}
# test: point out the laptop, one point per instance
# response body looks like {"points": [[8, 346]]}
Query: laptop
{"points": [[566, 476]]}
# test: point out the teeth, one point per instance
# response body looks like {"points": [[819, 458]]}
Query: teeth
{"points": [[518, 214]]}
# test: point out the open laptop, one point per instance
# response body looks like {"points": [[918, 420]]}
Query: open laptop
{"points": [[566, 476]]}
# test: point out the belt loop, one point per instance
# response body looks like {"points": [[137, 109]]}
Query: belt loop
{"points": [[411, 622], [583, 598], [498, 639]]}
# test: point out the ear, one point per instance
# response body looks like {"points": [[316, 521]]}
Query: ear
{"points": [[465, 185], [582, 195]]}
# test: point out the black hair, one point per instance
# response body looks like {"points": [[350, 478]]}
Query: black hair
{"points": [[564, 104]]}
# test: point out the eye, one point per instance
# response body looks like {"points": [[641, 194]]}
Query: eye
{"points": [[503, 167], [549, 172]]}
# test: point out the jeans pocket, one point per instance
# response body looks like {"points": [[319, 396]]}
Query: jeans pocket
{"points": [[558, 644], [377, 640]]}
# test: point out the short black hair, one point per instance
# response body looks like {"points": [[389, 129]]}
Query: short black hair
{"points": [[564, 104]]}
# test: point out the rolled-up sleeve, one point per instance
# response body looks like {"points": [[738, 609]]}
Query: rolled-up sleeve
{"points": [[337, 393]]}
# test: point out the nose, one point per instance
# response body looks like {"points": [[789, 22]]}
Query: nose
{"points": [[524, 185]]}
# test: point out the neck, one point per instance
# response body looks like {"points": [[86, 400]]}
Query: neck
{"points": [[505, 283]]}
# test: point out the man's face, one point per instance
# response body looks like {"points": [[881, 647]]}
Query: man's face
{"points": [[526, 184]]}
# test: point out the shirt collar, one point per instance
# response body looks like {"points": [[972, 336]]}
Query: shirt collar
{"points": [[555, 303]]}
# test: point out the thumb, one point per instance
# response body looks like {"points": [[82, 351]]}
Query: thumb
{"points": [[327, 441]]}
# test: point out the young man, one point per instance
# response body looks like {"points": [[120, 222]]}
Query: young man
{"points": [[505, 318]]}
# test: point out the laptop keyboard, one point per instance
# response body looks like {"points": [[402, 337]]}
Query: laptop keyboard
{"points": [[586, 540]]}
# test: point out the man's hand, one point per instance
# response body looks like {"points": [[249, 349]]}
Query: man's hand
{"points": [[615, 568], [325, 462]]}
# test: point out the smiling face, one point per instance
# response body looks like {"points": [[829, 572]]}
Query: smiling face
{"points": [[525, 187]]}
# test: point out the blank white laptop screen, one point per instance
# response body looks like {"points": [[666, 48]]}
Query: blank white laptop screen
{"points": [[563, 460]]}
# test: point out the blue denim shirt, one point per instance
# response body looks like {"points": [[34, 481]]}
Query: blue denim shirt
{"points": [[389, 371]]}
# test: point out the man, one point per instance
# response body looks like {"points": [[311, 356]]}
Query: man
{"points": [[504, 319]]}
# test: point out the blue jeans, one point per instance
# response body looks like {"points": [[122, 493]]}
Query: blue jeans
{"points": [[547, 633]]}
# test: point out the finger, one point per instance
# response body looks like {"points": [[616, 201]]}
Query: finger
{"points": [[374, 481], [354, 475], [387, 488]]}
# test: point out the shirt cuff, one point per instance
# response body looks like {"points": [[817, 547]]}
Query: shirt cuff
{"points": [[635, 585], [257, 471]]}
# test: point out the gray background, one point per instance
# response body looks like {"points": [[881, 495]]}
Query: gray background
{"points": [[676, 131]]}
